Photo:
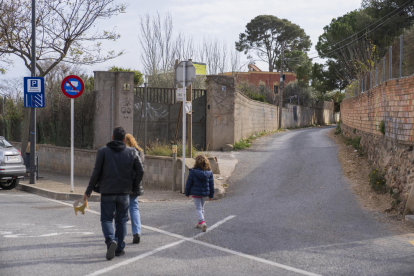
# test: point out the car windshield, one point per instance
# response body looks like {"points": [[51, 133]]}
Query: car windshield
{"points": [[5, 144]]}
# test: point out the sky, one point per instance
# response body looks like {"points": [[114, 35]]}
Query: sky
{"points": [[219, 19]]}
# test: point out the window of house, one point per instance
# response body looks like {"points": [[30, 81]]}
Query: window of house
{"points": [[261, 88], [276, 89]]}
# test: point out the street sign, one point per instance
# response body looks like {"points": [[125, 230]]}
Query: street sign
{"points": [[180, 96], [185, 69], [34, 92], [72, 86], [201, 68]]}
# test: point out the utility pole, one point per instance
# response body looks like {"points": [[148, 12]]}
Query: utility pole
{"points": [[281, 85], [33, 110]]}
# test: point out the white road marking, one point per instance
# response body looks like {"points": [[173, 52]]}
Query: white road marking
{"points": [[50, 235], [126, 262], [240, 254]]}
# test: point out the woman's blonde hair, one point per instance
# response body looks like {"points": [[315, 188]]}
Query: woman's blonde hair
{"points": [[201, 162], [131, 142]]}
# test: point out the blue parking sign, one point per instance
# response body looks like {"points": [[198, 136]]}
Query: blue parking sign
{"points": [[34, 92]]}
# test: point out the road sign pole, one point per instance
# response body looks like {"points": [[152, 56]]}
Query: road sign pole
{"points": [[184, 136], [72, 140], [33, 110]]}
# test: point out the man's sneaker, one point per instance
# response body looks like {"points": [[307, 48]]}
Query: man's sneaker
{"points": [[137, 238], [110, 253], [204, 226], [119, 253]]}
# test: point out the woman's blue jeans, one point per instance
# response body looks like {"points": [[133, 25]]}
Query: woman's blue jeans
{"points": [[134, 213]]}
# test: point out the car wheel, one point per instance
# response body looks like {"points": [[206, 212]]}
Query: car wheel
{"points": [[9, 184]]}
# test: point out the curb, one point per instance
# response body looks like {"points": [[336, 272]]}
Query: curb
{"points": [[409, 218], [55, 195]]}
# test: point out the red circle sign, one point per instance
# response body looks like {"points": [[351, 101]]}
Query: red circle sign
{"points": [[72, 86]]}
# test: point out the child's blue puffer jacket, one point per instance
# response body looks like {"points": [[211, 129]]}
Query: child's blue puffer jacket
{"points": [[200, 183]]}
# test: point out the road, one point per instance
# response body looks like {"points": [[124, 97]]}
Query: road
{"points": [[288, 211]]}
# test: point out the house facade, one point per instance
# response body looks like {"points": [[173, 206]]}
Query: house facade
{"points": [[270, 80]]}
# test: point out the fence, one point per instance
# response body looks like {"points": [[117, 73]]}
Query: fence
{"points": [[53, 121], [162, 116], [165, 95], [397, 63]]}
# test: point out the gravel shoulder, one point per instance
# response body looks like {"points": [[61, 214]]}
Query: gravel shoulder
{"points": [[356, 169]]}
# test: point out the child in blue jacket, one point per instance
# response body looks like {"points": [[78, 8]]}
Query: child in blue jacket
{"points": [[200, 184]]}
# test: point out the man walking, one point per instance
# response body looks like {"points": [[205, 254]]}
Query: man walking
{"points": [[118, 171]]}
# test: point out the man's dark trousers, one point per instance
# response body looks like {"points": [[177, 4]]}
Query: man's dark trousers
{"points": [[110, 203]]}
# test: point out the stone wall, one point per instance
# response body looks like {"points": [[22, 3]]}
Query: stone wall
{"points": [[231, 116], [391, 103]]}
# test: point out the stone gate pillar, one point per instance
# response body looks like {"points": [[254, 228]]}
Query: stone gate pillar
{"points": [[121, 105]]}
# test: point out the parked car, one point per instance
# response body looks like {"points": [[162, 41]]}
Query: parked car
{"points": [[12, 166]]}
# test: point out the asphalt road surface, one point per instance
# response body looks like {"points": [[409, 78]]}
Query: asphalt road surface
{"points": [[288, 211]]}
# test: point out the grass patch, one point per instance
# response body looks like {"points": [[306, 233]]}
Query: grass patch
{"points": [[242, 144], [165, 149], [377, 181]]}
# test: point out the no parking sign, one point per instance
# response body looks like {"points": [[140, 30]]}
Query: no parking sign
{"points": [[72, 86]]}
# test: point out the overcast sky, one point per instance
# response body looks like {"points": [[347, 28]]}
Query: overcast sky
{"points": [[221, 19]]}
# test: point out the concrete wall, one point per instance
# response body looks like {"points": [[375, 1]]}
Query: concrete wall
{"points": [[392, 153], [122, 108], [299, 116], [231, 116], [158, 169], [57, 159], [253, 117]]}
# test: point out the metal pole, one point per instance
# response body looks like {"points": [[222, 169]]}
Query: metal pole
{"points": [[184, 133], [383, 69], [4, 119], [146, 117], [33, 110], [72, 141], [112, 114], [281, 84], [401, 54], [174, 167], [190, 122], [390, 62]]}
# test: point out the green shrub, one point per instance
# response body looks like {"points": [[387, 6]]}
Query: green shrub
{"points": [[382, 127], [338, 129], [377, 181], [242, 144], [354, 130]]}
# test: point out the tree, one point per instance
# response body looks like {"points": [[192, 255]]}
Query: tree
{"points": [[63, 35], [265, 34], [138, 79], [355, 41]]}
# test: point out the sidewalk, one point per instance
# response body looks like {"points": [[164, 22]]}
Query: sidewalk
{"points": [[57, 185]]}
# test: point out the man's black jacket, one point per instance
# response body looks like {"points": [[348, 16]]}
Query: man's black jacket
{"points": [[118, 170]]}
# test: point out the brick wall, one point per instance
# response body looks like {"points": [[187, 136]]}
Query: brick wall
{"points": [[392, 153], [392, 102]]}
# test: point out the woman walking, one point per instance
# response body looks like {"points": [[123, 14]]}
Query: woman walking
{"points": [[200, 184], [133, 197]]}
